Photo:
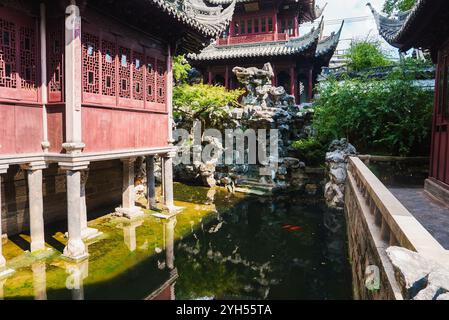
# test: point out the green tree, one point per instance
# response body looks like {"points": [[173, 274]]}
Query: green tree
{"points": [[393, 6], [365, 54], [180, 69]]}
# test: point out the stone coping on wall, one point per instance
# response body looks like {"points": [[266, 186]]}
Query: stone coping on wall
{"points": [[82, 156], [405, 228]]}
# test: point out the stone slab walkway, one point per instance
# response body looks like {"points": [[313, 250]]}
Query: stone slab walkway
{"points": [[432, 214]]}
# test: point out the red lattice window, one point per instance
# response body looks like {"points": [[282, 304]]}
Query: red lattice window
{"points": [[108, 53], [138, 74], [151, 79], [160, 81], [55, 47], [8, 54], [91, 63], [124, 72], [28, 57]]}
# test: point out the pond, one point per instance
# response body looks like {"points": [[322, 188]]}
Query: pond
{"points": [[222, 246]]}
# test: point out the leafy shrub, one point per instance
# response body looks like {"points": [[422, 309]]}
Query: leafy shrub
{"points": [[390, 116], [310, 149], [207, 103]]}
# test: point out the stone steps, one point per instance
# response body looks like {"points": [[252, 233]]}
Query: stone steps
{"points": [[255, 187]]}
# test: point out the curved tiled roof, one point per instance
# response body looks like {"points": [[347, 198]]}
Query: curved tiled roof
{"points": [[329, 44], [196, 14], [398, 31], [259, 49]]}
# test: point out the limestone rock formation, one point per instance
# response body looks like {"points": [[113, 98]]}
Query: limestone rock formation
{"points": [[419, 277], [336, 166]]}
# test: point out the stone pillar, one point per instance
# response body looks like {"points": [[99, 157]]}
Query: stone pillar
{"points": [[36, 203], [73, 89], [310, 93], [151, 189], [209, 76], [39, 280], [4, 272], [169, 226], [128, 208], [168, 181], [86, 232], [43, 53], [75, 249], [292, 82]]}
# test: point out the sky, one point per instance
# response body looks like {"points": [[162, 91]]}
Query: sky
{"points": [[343, 9]]}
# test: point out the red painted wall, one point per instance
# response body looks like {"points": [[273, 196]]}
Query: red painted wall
{"points": [[113, 129], [55, 125], [20, 129]]}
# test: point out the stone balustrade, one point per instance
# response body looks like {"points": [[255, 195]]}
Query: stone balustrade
{"points": [[377, 221]]}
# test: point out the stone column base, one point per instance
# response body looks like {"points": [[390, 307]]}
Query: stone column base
{"points": [[5, 272], [130, 213], [90, 233], [75, 259]]}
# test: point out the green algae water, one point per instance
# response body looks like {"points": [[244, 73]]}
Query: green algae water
{"points": [[221, 246]]}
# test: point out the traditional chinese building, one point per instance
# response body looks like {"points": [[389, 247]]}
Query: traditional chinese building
{"points": [[85, 86], [268, 31], [425, 27]]}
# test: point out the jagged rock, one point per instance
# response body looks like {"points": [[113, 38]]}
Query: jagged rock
{"points": [[264, 107], [338, 175], [444, 296], [336, 164], [411, 270], [311, 189]]}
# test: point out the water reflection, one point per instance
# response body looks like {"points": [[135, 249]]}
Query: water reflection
{"points": [[77, 272], [129, 234], [39, 269], [274, 248], [2, 290]]}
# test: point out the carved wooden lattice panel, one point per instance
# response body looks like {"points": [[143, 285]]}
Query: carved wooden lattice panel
{"points": [[161, 81], [124, 72], [108, 68], [55, 47], [8, 54], [151, 80], [91, 80], [28, 57], [138, 74]]}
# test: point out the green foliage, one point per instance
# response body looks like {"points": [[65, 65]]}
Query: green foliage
{"points": [[207, 103], [364, 54], [393, 6], [310, 149], [391, 116], [180, 69]]}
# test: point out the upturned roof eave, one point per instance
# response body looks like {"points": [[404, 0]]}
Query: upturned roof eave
{"points": [[200, 24], [404, 31], [292, 47]]}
